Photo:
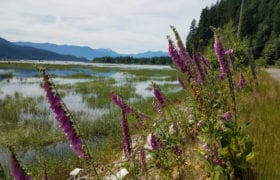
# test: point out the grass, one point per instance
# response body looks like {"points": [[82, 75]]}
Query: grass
{"points": [[27, 131], [104, 134], [257, 104], [260, 106]]}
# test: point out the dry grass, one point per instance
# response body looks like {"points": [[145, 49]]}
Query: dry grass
{"points": [[261, 106]]}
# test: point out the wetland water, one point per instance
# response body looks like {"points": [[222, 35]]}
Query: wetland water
{"points": [[85, 88]]}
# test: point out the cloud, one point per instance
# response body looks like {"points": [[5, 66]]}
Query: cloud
{"points": [[127, 26]]}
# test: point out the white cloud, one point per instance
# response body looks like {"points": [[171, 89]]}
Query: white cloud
{"points": [[126, 26]]}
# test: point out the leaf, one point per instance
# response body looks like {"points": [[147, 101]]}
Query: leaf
{"points": [[229, 125], [224, 151], [249, 156], [245, 124], [200, 157], [217, 175]]}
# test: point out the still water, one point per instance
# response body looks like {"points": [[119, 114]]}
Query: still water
{"points": [[27, 83]]}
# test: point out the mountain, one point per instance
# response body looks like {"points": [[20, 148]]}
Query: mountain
{"points": [[79, 51], [9, 50], [148, 54], [87, 52]]}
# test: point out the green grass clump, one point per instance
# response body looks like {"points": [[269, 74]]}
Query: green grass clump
{"points": [[261, 108]]}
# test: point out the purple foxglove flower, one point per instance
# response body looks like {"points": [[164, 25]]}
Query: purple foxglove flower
{"points": [[175, 56], [231, 59], [159, 96], [218, 161], [77, 146], [118, 101], [182, 84], [205, 147], [66, 124], [241, 82], [227, 116], [199, 124], [154, 142], [220, 55], [205, 62], [183, 53], [221, 76], [143, 160], [16, 170], [177, 150], [126, 136], [214, 152], [198, 67], [188, 61], [156, 107]]}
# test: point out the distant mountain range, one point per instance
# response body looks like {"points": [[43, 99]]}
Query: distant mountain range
{"points": [[48, 51], [9, 50], [87, 52]]}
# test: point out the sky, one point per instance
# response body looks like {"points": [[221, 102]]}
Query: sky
{"points": [[125, 26]]}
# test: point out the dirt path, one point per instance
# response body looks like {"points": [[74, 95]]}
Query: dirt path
{"points": [[275, 73]]}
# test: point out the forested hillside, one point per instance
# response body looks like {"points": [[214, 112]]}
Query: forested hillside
{"points": [[11, 51], [260, 25]]}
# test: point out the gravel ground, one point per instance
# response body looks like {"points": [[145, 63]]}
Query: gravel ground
{"points": [[275, 73]]}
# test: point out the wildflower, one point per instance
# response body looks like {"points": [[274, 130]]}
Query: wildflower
{"points": [[231, 59], [177, 150], [221, 76], [156, 107], [241, 82], [219, 161], [220, 55], [62, 116], [154, 142], [126, 136], [197, 64], [118, 101], [227, 116], [182, 84], [205, 147], [214, 152], [199, 123], [143, 160], [183, 53], [205, 61], [17, 171], [175, 56], [159, 96]]}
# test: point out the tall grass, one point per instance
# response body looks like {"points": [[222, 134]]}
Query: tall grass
{"points": [[261, 106]]}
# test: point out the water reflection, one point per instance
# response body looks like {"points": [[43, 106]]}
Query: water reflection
{"points": [[26, 83]]}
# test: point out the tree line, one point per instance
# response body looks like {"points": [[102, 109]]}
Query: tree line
{"points": [[164, 60], [260, 26]]}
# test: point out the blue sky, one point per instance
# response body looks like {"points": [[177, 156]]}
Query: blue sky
{"points": [[126, 26]]}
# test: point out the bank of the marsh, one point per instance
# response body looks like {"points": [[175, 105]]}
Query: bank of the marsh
{"points": [[260, 106]]}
